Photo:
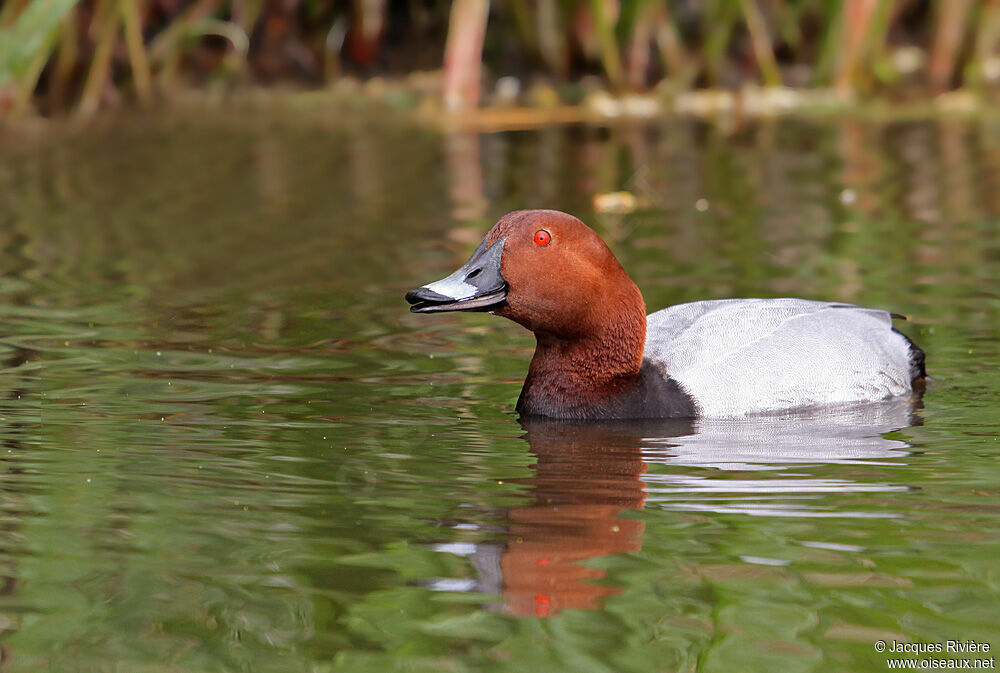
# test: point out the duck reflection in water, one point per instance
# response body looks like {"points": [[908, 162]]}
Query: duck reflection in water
{"points": [[589, 474]]}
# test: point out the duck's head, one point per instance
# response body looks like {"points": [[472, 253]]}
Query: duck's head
{"points": [[543, 269]]}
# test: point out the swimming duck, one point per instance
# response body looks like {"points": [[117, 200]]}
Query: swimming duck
{"points": [[599, 356]]}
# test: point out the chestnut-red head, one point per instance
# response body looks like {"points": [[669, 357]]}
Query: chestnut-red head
{"points": [[545, 270]]}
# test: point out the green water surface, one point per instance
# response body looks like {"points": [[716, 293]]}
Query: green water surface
{"points": [[228, 446]]}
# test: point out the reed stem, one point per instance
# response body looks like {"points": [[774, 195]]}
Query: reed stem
{"points": [[463, 53], [141, 74], [100, 67], [761, 41]]}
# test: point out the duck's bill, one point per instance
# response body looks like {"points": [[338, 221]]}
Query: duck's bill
{"points": [[486, 302], [477, 286]]}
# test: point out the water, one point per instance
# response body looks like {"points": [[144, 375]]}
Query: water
{"points": [[227, 446]]}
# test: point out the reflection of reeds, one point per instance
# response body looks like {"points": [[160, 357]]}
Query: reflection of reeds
{"points": [[83, 52]]}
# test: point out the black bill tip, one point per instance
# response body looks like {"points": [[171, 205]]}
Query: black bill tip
{"points": [[429, 301], [424, 294]]}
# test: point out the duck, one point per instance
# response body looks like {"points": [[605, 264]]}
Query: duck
{"points": [[599, 356]]}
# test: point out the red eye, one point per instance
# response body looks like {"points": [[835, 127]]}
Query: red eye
{"points": [[542, 238]]}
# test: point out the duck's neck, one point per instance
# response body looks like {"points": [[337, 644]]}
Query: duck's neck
{"points": [[579, 377]]}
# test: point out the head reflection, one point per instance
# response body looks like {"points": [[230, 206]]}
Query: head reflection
{"points": [[586, 475]]}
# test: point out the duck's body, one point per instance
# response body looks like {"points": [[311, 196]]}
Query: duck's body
{"points": [[738, 356], [600, 357]]}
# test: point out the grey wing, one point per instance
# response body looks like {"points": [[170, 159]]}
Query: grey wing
{"points": [[738, 356]]}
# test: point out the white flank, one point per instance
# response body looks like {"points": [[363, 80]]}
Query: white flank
{"points": [[742, 356]]}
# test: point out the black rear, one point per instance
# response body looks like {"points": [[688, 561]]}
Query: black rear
{"points": [[918, 368]]}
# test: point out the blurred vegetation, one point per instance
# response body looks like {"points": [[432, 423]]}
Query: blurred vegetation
{"points": [[88, 54]]}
